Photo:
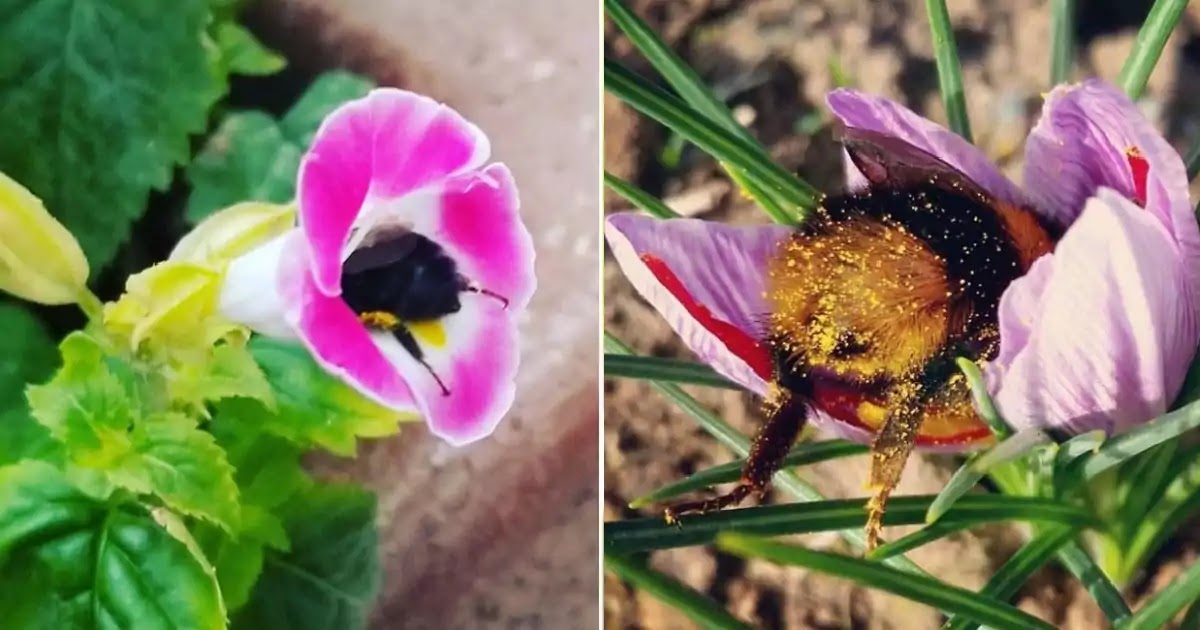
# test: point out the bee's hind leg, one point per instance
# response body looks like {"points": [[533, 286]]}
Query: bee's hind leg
{"points": [[786, 417]]}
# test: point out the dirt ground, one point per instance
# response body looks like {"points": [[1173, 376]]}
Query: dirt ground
{"points": [[774, 60]]}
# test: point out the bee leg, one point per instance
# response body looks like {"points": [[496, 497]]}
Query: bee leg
{"points": [[889, 452], [409, 343], [785, 419]]}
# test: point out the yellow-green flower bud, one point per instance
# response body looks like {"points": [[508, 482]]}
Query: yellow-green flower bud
{"points": [[39, 259], [229, 233]]}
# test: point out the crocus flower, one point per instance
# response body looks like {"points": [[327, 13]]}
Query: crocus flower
{"points": [[1098, 333], [408, 267]]}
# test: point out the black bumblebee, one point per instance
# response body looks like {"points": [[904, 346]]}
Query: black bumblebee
{"points": [[873, 298], [401, 276]]}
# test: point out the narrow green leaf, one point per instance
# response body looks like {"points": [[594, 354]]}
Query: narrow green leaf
{"points": [[698, 608], [786, 480], [27, 354], [1016, 571], [1151, 39], [638, 197], [332, 574], [919, 538], [1191, 619], [872, 574], [800, 455], [1062, 40], [1167, 603], [1141, 438], [1173, 508], [634, 535], [240, 52], [1107, 596], [983, 401], [666, 370], [949, 71], [721, 144], [1078, 446], [692, 89]]}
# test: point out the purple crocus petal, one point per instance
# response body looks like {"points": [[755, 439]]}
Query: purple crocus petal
{"points": [[864, 111], [1091, 135], [474, 216], [707, 280], [334, 335], [386, 144], [1100, 334], [474, 353]]}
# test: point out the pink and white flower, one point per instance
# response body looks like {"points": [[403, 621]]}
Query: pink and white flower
{"points": [[387, 176]]}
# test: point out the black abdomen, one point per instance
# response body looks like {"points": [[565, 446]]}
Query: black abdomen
{"points": [[409, 276]]}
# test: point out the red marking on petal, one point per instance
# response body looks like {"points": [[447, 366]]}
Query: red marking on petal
{"points": [[842, 402], [1141, 170], [735, 339]]}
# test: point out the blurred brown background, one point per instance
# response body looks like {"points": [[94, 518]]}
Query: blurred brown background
{"points": [[501, 534], [774, 60]]}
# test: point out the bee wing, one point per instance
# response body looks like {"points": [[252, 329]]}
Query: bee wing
{"points": [[888, 161]]}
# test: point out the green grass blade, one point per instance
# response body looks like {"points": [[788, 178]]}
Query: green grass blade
{"points": [[667, 370], [1177, 504], [727, 148], [700, 609], [959, 485], [1107, 596], [1192, 160], [802, 455], [974, 469], [1062, 44], [740, 444], [645, 201], [1191, 620], [1151, 39], [1142, 438], [983, 401], [646, 534], [919, 538], [1167, 603], [692, 89], [949, 71], [1008, 579], [867, 573]]}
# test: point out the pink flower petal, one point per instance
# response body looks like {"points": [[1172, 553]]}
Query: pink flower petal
{"points": [[386, 144], [477, 364], [1104, 328], [863, 111], [707, 280], [334, 335]]}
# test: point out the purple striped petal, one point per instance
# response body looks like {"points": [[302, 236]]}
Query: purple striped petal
{"points": [[1099, 334], [864, 111]]}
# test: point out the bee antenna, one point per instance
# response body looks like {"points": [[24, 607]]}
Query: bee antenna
{"points": [[471, 288]]}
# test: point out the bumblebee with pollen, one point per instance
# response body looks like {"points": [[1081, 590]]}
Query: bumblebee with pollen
{"points": [[871, 301], [399, 280]]}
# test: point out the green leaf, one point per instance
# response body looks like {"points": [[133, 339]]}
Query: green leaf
{"points": [[183, 466], [740, 157], [238, 563], [86, 406], [239, 52], [253, 157], [230, 372], [698, 608], [1018, 445], [640, 198], [98, 100], [1140, 439], [872, 574], [1008, 579], [1062, 40], [331, 576], [246, 159], [666, 370], [945, 51], [22, 437], [800, 455], [919, 538], [107, 567], [1167, 603], [314, 408], [1084, 568], [1151, 39], [27, 354], [634, 535]]}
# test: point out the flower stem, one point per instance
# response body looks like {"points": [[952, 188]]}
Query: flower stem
{"points": [[90, 304], [949, 70], [1151, 40], [1062, 47]]}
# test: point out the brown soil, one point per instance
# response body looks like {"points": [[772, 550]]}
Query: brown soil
{"points": [[773, 58]]}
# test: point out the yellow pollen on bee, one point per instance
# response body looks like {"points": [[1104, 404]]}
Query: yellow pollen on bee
{"points": [[379, 319]]}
